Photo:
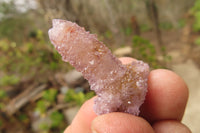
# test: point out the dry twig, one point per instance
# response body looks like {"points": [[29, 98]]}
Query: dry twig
{"points": [[23, 98]]}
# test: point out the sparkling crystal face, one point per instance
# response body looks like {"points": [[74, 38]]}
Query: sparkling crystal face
{"points": [[120, 88]]}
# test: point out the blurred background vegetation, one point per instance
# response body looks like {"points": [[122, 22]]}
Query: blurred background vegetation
{"points": [[35, 95]]}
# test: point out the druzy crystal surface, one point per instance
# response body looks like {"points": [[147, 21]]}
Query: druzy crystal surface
{"points": [[120, 88]]}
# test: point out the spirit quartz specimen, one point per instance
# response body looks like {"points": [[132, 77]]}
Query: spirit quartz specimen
{"points": [[120, 88]]}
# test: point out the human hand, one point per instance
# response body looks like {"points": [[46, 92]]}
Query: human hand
{"points": [[161, 112]]}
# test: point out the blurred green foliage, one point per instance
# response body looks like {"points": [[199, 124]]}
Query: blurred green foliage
{"points": [[197, 41], [3, 98], [50, 95], [23, 117], [181, 23], [48, 99], [79, 98], [56, 118], [29, 59], [145, 27], [195, 11], [41, 106], [2, 105], [9, 80], [57, 121], [7, 7], [196, 25], [128, 31], [166, 25], [1, 123], [11, 27], [2, 94], [144, 50], [108, 34], [44, 127], [14, 22]]}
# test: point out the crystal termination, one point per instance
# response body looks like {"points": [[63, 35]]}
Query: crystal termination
{"points": [[120, 88]]}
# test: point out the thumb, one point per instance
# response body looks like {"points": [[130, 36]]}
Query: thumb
{"points": [[120, 123]]}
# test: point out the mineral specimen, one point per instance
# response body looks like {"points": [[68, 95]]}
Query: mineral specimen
{"points": [[120, 88]]}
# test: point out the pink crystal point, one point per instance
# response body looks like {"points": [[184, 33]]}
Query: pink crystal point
{"points": [[120, 88]]}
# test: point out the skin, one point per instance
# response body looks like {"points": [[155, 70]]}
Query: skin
{"points": [[161, 112]]}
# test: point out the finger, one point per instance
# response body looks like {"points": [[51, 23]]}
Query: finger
{"points": [[127, 60], [170, 126], [120, 123], [68, 129], [83, 119], [166, 98]]}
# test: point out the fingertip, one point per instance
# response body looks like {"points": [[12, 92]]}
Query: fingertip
{"points": [[68, 129], [127, 60], [120, 123], [167, 96], [83, 119], [170, 126], [173, 84], [171, 77]]}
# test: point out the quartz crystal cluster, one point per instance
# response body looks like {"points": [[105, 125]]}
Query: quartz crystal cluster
{"points": [[120, 88]]}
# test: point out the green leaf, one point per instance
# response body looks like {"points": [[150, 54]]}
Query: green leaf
{"points": [[2, 106], [1, 123], [166, 25], [2, 94], [22, 117], [57, 118], [41, 106], [108, 34], [181, 23], [50, 95], [9, 80], [145, 27], [70, 95], [89, 95], [79, 98], [44, 126], [53, 65], [197, 41], [128, 31]]}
